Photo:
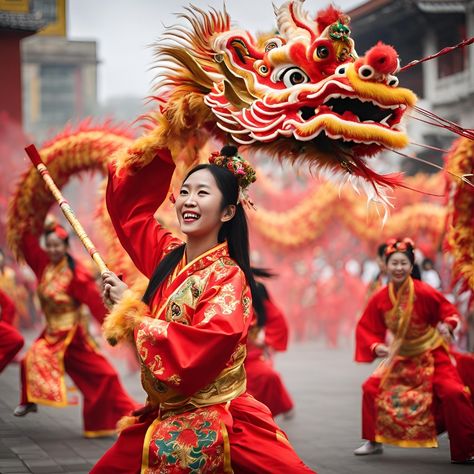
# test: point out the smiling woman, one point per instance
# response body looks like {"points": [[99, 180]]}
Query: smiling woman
{"points": [[417, 392], [202, 207], [190, 327], [65, 345]]}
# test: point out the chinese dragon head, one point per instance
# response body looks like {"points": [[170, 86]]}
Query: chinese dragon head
{"points": [[301, 93]]}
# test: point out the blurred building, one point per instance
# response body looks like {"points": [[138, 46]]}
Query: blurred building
{"points": [[445, 85], [16, 22], [46, 79], [59, 75]]}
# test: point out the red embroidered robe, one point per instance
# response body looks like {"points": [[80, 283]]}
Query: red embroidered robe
{"points": [[65, 346], [192, 344], [61, 293], [263, 382], [404, 396]]}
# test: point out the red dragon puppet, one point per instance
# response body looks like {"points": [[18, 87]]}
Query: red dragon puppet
{"points": [[301, 94]]}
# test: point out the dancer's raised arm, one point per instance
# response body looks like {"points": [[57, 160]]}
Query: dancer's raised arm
{"points": [[132, 200]]}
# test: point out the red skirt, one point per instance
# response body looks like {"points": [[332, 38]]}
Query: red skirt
{"points": [[105, 399], [255, 444], [452, 407], [266, 385]]}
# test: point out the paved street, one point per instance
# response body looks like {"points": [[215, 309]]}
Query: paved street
{"points": [[326, 387]]}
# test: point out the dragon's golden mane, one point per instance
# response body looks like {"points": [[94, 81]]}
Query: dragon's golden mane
{"points": [[186, 71]]}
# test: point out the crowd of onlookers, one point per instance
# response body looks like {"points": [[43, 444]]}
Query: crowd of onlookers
{"points": [[324, 300]]}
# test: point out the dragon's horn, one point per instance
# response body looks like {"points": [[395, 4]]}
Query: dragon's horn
{"points": [[293, 20]]}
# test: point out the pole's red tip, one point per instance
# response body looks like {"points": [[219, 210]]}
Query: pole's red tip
{"points": [[33, 154]]}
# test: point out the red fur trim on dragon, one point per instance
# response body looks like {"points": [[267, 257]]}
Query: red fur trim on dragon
{"points": [[303, 94]]}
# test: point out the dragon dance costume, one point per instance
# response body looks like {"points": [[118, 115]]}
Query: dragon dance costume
{"points": [[11, 340], [192, 344], [421, 393], [263, 382], [65, 346]]}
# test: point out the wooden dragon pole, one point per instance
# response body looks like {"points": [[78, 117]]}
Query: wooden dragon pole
{"points": [[35, 158]]}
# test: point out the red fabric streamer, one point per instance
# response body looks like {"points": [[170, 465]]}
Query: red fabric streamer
{"points": [[442, 52]]}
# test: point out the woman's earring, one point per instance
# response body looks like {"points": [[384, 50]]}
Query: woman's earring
{"points": [[172, 198]]}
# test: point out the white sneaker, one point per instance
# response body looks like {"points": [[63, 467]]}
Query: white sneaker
{"points": [[466, 461], [369, 447], [22, 410]]}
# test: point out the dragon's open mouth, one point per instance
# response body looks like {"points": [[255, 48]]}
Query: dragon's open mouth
{"points": [[355, 110]]}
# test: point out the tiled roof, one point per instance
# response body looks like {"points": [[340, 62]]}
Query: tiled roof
{"points": [[427, 6], [442, 6]]}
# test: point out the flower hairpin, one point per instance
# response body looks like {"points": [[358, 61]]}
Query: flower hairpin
{"points": [[240, 168], [395, 245]]}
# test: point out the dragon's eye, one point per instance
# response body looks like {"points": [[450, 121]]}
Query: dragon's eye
{"points": [[366, 72], [261, 68], [293, 76], [272, 44], [392, 81], [341, 70], [322, 52]]}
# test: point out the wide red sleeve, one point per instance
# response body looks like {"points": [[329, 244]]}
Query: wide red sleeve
{"points": [[187, 358], [276, 327], [132, 200], [370, 329], [438, 307], [8, 308], [83, 289], [34, 255]]}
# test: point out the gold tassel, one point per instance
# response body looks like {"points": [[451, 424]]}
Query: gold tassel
{"points": [[125, 315]]}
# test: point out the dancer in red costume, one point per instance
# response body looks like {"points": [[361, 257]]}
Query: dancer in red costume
{"points": [[11, 340], [190, 328], [65, 345], [417, 392], [269, 333]]}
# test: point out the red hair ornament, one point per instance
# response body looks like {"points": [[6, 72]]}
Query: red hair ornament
{"points": [[61, 232], [395, 245]]}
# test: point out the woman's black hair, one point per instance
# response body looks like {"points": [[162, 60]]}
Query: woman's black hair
{"points": [[258, 302], [164, 268], [381, 250], [70, 260], [261, 295], [260, 272], [234, 231], [415, 272]]}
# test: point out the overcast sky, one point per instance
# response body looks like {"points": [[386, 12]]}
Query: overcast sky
{"points": [[124, 29]]}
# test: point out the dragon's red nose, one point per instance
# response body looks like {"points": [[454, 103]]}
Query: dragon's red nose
{"points": [[383, 58]]}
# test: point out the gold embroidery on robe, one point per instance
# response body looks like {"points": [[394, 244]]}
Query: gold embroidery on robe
{"points": [[44, 360], [403, 406]]}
